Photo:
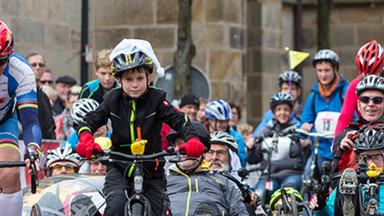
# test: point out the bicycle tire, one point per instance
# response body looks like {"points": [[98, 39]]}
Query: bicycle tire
{"points": [[137, 209]]}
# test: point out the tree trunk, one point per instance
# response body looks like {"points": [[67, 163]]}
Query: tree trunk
{"points": [[323, 24], [185, 52]]}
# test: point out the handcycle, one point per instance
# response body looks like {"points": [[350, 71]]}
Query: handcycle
{"points": [[312, 181]]}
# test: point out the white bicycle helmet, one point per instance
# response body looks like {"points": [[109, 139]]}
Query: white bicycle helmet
{"points": [[371, 82], [281, 98], [218, 110], [81, 107], [326, 55], [220, 137], [290, 75], [63, 155]]}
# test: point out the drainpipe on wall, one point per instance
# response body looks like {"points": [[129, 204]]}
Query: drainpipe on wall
{"points": [[84, 40]]}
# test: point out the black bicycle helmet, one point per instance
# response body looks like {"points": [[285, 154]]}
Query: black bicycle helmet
{"points": [[281, 98], [201, 130], [290, 75], [327, 55], [224, 138], [371, 82], [124, 62], [369, 139]]}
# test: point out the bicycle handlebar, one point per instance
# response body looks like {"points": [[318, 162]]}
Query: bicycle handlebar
{"points": [[34, 178], [314, 134]]}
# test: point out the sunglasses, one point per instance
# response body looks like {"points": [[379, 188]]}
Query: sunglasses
{"points": [[3, 62], [59, 167], [46, 81], [40, 64], [366, 99]]}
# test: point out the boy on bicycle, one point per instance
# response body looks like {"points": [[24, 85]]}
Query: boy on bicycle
{"points": [[136, 104]]}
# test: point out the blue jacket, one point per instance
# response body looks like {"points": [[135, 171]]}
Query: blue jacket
{"points": [[241, 146], [310, 111]]}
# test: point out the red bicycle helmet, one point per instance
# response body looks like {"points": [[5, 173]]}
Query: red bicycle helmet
{"points": [[370, 58], [6, 41]]}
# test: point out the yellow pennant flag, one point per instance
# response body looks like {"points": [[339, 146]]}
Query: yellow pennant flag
{"points": [[295, 58]]}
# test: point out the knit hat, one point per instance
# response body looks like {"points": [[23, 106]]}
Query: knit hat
{"points": [[131, 46], [189, 99]]}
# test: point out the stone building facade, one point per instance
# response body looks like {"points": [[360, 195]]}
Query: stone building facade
{"points": [[239, 43]]}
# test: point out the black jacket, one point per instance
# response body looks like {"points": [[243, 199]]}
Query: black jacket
{"points": [[45, 115], [148, 111]]}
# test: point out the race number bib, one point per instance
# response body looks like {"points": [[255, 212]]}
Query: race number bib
{"points": [[280, 149], [326, 122]]}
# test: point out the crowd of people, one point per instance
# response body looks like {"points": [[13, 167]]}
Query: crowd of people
{"points": [[106, 113]]}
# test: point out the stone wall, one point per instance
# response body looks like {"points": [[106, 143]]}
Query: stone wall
{"points": [[239, 43]]}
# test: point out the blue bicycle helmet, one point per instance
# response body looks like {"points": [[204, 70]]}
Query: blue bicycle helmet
{"points": [[218, 110]]}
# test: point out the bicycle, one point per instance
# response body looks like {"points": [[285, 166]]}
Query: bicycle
{"points": [[34, 177], [138, 203], [288, 202], [311, 182], [370, 178]]}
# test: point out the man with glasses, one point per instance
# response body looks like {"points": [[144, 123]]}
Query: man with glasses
{"points": [[189, 183], [368, 149], [62, 161], [46, 78], [47, 124], [18, 92], [370, 104]]}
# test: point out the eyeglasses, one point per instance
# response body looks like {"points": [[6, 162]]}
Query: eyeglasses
{"points": [[366, 99], [40, 64], [376, 158], [59, 167], [3, 62], [219, 153], [46, 81]]}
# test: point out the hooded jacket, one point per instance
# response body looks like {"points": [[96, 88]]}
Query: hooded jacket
{"points": [[186, 192]]}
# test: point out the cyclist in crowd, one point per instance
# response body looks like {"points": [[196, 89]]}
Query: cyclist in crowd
{"points": [[62, 88], [236, 116], [323, 105], [287, 161], [201, 113], [46, 121], [18, 93], [218, 113], [105, 81], [64, 121], [368, 145], [370, 104], [190, 183], [289, 82], [223, 157], [369, 61], [62, 161], [136, 104]]}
